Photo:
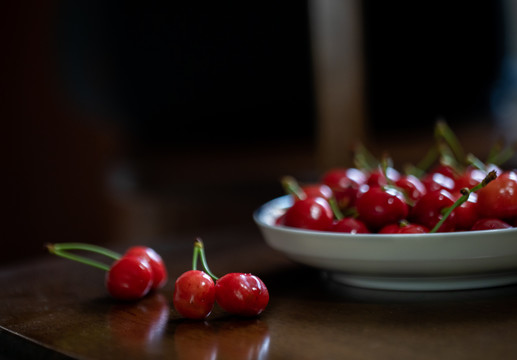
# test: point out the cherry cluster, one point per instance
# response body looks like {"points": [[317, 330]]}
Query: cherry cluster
{"points": [[454, 193], [197, 291], [141, 270]]}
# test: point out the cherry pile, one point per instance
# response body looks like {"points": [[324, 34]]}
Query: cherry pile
{"points": [[197, 291], [448, 192]]}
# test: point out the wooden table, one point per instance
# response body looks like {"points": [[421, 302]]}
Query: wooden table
{"points": [[53, 308]]}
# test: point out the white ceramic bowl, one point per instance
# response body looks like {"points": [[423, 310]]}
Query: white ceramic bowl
{"points": [[440, 261]]}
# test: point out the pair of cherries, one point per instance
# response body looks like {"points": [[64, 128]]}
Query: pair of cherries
{"points": [[197, 291], [132, 275]]}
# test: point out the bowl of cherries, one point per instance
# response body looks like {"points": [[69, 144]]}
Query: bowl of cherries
{"points": [[449, 223]]}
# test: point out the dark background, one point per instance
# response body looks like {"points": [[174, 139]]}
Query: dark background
{"points": [[235, 72], [88, 85]]}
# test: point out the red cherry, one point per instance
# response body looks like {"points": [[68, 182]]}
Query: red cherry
{"points": [[490, 224], [241, 294], [156, 262], [470, 178], [317, 190], [378, 177], [390, 229], [349, 225], [344, 183], [446, 170], [403, 228], [413, 229], [467, 213], [498, 199], [129, 278], [428, 210], [436, 181], [194, 294], [378, 207], [413, 187], [311, 213]]}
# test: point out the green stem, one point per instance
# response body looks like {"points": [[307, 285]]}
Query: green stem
{"points": [[474, 161], [427, 161], [199, 250], [363, 159], [292, 187], [466, 193], [443, 131], [335, 208], [62, 250]]}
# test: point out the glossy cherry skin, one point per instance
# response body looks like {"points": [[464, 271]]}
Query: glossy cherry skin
{"points": [[378, 177], [445, 170], [498, 199], [428, 210], [311, 214], [129, 278], [194, 294], [412, 186], [436, 181], [378, 207], [490, 224], [158, 267], [406, 228], [241, 294], [349, 225], [317, 190], [470, 178], [344, 183], [467, 213]]}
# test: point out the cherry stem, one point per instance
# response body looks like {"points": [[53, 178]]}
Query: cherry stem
{"points": [[443, 131], [292, 187], [474, 161], [62, 250], [199, 251], [425, 164], [464, 197], [338, 214], [363, 159]]}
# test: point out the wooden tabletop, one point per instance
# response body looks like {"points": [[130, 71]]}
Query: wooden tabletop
{"points": [[54, 308]]}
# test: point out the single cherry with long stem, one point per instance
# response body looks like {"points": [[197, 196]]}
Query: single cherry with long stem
{"points": [[130, 277]]}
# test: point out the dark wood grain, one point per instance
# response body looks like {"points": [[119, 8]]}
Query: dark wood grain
{"points": [[52, 308]]}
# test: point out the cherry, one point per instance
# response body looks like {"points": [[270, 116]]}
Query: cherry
{"points": [[445, 170], [349, 225], [238, 293], [469, 178], [378, 207], [428, 210], [412, 186], [194, 294], [129, 278], [317, 190], [436, 181], [344, 183], [490, 224], [413, 229], [380, 177], [390, 229], [310, 213], [241, 294], [467, 213], [498, 199], [403, 228], [158, 267]]}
